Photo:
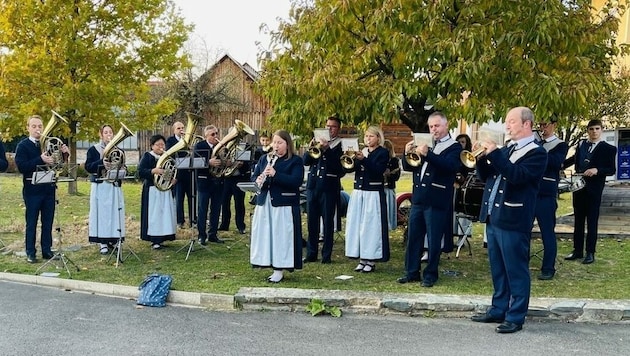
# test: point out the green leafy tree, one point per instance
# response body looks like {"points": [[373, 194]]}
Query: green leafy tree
{"points": [[377, 61], [89, 60]]}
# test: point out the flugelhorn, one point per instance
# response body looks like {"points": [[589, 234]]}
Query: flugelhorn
{"points": [[412, 158], [114, 157], [347, 159]]}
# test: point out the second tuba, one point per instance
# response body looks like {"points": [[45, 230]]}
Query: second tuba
{"points": [[225, 150], [114, 156], [166, 161]]}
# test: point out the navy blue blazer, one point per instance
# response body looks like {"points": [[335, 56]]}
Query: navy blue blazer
{"points": [[326, 171], [556, 153], [27, 158], [4, 164], [515, 200], [284, 186], [435, 188], [602, 158], [368, 172]]}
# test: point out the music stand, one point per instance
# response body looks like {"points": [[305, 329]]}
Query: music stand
{"points": [[45, 175], [193, 163]]}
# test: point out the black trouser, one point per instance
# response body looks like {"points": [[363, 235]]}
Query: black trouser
{"points": [[321, 205]]}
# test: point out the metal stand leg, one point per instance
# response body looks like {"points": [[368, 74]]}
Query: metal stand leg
{"points": [[191, 247], [464, 240], [59, 256], [118, 251]]}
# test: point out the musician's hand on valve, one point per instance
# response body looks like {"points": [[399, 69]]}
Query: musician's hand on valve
{"points": [[423, 149], [47, 158], [359, 155], [215, 162], [409, 147], [591, 172], [107, 164], [489, 145], [157, 171]]}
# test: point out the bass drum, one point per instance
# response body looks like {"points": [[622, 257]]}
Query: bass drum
{"points": [[469, 196]]}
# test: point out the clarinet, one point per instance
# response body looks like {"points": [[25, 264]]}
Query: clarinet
{"points": [[272, 158]]}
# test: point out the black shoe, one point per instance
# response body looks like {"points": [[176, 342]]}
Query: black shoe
{"points": [[309, 259], [241, 231], [326, 261], [573, 256], [485, 318], [202, 242], [217, 241], [427, 284], [221, 228], [405, 279], [545, 276], [590, 258], [31, 259], [507, 327], [48, 256]]}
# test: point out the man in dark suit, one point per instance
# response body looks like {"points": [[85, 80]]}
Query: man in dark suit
{"points": [[4, 164], [184, 185], [241, 173], [547, 201], [209, 188], [322, 192], [594, 159], [38, 198], [431, 200], [512, 175]]}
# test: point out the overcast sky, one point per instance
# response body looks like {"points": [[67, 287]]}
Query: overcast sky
{"points": [[232, 26]]}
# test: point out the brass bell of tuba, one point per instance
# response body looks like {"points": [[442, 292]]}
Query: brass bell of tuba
{"points": [[114, 156], [166, 161], [225, 150], [52, 145]]}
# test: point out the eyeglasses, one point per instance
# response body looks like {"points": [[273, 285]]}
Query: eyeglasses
{"points": [[212, 134]]}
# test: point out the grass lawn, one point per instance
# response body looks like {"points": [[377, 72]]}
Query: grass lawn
{"points": [[225, 268]]}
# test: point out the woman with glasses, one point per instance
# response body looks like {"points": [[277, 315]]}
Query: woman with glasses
{"points": [[158, 219]]}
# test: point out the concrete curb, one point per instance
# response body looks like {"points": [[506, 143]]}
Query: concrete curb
{"points": [[357, 302]]}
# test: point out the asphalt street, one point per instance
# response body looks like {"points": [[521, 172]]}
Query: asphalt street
{"points": [[40, 320]]}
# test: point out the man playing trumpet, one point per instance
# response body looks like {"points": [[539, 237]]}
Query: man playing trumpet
{"points": [[512, 176], [322, 191]]}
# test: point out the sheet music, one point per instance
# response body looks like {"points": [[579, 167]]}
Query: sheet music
{"points": [[420, 139], [498, 137], [349, 144], [321, 133]]}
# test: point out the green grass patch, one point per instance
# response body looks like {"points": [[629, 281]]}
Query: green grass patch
{"points": [[225, 268]]}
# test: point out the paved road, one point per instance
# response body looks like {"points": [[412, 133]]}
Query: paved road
{"points": [[40, 320]]}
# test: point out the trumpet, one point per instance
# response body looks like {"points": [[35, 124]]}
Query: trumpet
{"points": [[315, 150], [412, 158], [347, 159], [469, 159]]}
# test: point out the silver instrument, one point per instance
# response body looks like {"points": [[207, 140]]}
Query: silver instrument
{"points": [[272, 157]]}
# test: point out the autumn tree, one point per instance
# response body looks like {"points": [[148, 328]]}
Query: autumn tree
{"points": [[89, 60], [377, 61]]}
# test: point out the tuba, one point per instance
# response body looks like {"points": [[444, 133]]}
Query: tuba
{"points": [[166, 161], [52, 145], [114, 156], [225, 150]]}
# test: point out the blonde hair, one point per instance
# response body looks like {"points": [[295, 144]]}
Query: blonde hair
{"points": [[375, 130], [390, 148]]}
